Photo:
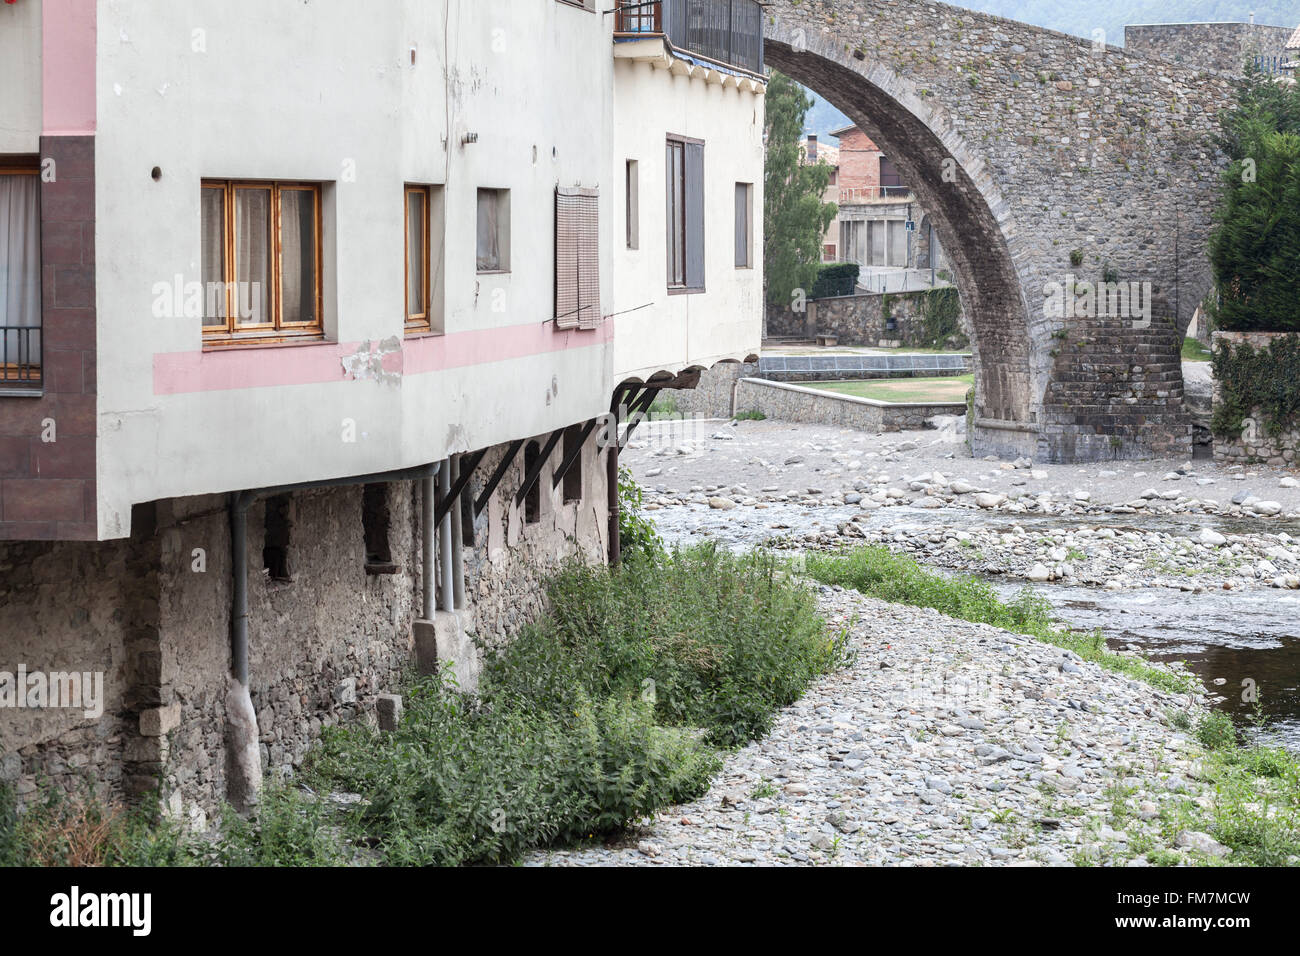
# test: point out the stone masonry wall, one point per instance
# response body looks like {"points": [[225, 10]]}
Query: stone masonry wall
{"points": [[153, 613], [859, 320], [1255, 443], [1225, 47]]}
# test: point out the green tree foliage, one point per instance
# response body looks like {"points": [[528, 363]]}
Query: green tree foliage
{"points": [[794, 216], [1256, 244]]}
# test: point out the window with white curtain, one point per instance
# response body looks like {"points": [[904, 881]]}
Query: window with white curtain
{"points": [[493, 253], [261, 261], [20, 277]]}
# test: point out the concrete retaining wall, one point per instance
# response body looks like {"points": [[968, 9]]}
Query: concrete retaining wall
{"points": [[859, 320], [793, 403]]}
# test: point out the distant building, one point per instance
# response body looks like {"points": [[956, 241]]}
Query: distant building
{"points": [[813, 153], [879, 225]]}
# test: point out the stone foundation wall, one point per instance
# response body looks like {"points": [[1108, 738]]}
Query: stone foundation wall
{"points": [[712, 396], [1255, 443], [792, 403], [153, 614], [859, 321]]}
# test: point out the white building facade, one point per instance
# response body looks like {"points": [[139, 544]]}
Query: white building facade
{"points": [[313, 317]]}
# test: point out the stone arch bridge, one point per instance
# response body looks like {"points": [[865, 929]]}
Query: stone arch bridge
{"points": [[1049, 164]]}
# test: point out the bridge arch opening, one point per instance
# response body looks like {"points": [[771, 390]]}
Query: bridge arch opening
{"points": [[963, 204]]}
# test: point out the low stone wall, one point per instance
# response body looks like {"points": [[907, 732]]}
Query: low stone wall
{"points": [[712, 396], [793, 403], [859, 320], [152, 615], [1254, 443]]}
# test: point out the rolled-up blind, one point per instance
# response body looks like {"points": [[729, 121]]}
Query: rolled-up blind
{"points": [[577, 258]]}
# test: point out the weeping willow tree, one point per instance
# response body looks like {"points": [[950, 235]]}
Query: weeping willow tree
{"points": [[794, 216], [1255, 248]]}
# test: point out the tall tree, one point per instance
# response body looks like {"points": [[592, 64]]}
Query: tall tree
{"points": [[1256, 245], [794, 216]]}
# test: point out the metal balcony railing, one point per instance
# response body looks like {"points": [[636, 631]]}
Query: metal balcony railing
{"points": [[729, 32], [20, 356]]}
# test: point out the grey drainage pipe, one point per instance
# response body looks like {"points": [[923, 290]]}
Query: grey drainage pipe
{"points": [[446, 597], [457, 542]]}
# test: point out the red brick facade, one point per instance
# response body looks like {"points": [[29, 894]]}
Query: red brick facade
{"points": [[859, 165], [47, 488]]}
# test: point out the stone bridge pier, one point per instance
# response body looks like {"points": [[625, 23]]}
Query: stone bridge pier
{"points": [[1050, 165]]}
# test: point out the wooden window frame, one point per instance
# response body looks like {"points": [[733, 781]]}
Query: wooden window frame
{"points": [[277, 330], [25, 165], [417, 322]]}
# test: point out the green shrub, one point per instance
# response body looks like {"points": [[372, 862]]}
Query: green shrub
{"points": [[1215, 730], [717, 641], [79, 831], [1257, 381], [839, 278], [470, 781], [940, 309], [636, 532]]}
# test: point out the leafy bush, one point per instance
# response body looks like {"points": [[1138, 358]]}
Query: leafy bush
{"points": [[939, 311], [1256, 243], [1264, 381], [467, 781], [840, 278], [715, 640], [636, 532], [596, 715]]}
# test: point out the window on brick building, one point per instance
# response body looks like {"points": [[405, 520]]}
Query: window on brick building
{"points": [[20, 275], [261, 265]]}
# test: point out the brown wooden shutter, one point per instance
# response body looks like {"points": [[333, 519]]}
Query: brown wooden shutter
{"points": [[566, 259], [577, 258]]}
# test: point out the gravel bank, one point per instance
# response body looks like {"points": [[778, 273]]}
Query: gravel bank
{"points": [[944, 743]]}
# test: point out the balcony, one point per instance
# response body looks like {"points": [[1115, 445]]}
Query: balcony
{"points": [[20, 357], [727, 32]]}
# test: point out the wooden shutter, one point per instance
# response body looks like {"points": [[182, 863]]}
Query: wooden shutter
{"points": [[695, 215], [577, 258], [566, 259]]}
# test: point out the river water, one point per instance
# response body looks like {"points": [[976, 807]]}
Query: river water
{"points": [[1244, 644]]}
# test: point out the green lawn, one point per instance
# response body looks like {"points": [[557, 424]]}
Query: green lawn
{"points": [[925, 390], [1194, 351]]}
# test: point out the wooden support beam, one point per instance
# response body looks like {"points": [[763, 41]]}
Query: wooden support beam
{"points": [[467, 467], [575, 454], [497, 475], [636, 413], [530, 478]]}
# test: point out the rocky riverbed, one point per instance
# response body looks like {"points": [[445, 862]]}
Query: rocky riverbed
{"points": [[943, 743], [1187, 525]]}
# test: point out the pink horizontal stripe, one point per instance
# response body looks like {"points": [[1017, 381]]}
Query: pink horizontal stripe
{"points": [[178, 373]]}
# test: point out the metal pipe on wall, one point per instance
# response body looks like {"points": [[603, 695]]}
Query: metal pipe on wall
{"points": [[457, 542], [428, 595], [239, 502], [446, 600]]}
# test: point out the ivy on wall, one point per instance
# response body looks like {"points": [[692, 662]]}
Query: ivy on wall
{"points": [[939, 311], [1263, 382]]}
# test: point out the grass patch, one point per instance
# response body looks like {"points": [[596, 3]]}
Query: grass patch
{"points": [[878, 572], [1256, 787], [750, 415], [926, 390], [1194, 351]]}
